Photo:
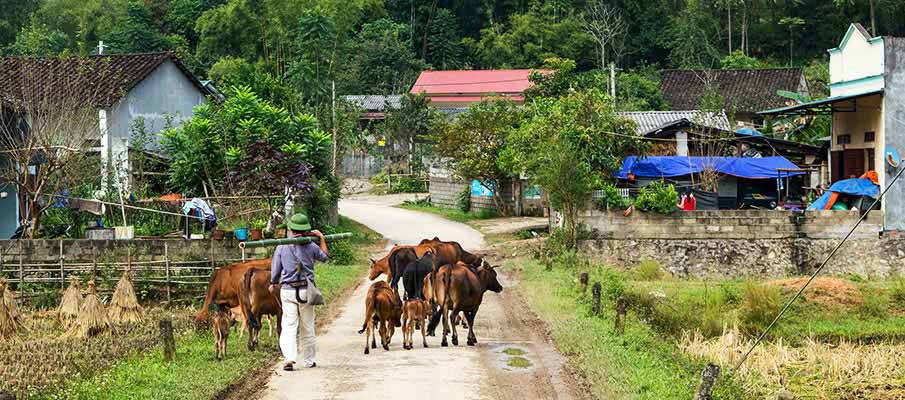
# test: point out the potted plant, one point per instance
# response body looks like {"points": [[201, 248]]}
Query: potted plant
{"points": [[218, 234], [257, 230]]}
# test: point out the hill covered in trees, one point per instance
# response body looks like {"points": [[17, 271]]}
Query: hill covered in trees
{"points": [[292, 50]]}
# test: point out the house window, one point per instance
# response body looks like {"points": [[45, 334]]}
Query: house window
{"points": [[844, 139], [869, 136]]}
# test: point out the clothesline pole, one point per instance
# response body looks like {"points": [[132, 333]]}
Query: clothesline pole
{"points": [[122, 205]]}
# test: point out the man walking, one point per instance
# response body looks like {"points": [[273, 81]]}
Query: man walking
{"points": [[293, 268]]}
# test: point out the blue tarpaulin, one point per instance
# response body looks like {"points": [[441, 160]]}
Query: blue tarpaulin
{"points": [[671, 166], [854, 187]]}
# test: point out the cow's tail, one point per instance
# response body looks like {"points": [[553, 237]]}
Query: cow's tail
{"points": [[245, 299], [438, 312]]}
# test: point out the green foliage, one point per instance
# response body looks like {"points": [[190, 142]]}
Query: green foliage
{"points": [[448, 213], [692, 35], [613, 285], [203, 149], [464, 199], [611, 199], [657, 197], [137, 34], [759, 305], [414, 120], [444, 45], [477, 143], [381, 59], [738, 60], [409, 184], [228, 30], [39, 40], [647, 270], [897, 293]]}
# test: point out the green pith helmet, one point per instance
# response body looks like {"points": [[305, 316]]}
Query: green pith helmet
{"points": [[299, 222]]}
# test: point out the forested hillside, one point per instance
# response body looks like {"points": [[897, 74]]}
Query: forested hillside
{"points": [[293, 49]]}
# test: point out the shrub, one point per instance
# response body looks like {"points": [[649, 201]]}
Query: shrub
{"points": [[464, 201], [657, 197], [874, 306], [567, 259], [759, 305], [647, 270], [897, 294], [342, 252], [613, 284], [409, 184], [611, 198]]}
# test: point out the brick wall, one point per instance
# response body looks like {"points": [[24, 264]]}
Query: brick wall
{"points": [[445, 191]]}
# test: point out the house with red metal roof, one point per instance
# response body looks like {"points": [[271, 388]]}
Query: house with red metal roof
{"points": [[453, 90]]}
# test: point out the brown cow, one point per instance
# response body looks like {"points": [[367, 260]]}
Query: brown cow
{"points": [[460, 288], [225, 285], [257, 301], [382, 306], [414, 313]]}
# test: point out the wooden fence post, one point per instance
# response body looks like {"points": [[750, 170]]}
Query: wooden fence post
{"points": [[583, 279], [708, 380], [166, 265], [595, 293], [93, 260], [21, 263], [166, 337], [62, 269], [620, 315]]}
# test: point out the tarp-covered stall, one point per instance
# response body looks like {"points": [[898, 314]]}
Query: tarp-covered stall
{"points": [[672, 166]]}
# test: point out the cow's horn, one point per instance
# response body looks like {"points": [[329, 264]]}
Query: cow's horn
{"points": [[372, 261]]}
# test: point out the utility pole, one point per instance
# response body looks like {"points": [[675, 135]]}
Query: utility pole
{"points": [[613, 81]]}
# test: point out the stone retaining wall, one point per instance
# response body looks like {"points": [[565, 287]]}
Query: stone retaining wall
{"points": [[745, 243]]}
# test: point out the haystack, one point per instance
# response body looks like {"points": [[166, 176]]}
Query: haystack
{"points": [[72, 300], [124, 305], [10, 323], [92, 319]]}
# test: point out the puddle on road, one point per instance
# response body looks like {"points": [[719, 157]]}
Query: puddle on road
{"points": [[513, 358]]}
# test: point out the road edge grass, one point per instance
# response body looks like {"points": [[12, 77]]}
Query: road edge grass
{"points": [[451, 214], [638, 364], [195, 373]]}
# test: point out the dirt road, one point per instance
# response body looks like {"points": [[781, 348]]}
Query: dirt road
{"points": [[486, 371]]}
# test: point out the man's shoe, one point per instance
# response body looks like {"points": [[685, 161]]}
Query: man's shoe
{"points": [[313, 365], [288, 366]]}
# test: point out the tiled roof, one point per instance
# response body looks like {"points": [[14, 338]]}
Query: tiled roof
{"points": [[100, 80], [502, 81], [649, 121], [375, 102], [744, 90]]}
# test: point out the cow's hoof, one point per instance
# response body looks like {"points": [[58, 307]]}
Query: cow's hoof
{"points": [[386, 347], [425, 345], [373, 345], [367, 350], [471, 343], [455, 341], [444, 344]]}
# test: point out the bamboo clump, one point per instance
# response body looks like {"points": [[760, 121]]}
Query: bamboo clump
{"points": [[124, 305], [92, 319], [10, 323], [72, 300]]}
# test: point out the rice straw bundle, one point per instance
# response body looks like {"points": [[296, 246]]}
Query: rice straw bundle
{"points": [[9, 316], [92, 319], [72, 300], [124, 305]]}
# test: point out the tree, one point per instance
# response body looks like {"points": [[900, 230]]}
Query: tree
{"points": [[738, 60], [14, 15], [605, 24], [382, 60], [228, 30], [137, 34], [46, 145], [791, 22], [411, 122], [475, 142], [316, 43], [444, 44], [691, 37], [570, 145], [218, 137], [38, 40]]}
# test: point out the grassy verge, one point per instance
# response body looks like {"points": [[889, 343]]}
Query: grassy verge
{"points": [[195, 373], [448, 213], [641, 363]]}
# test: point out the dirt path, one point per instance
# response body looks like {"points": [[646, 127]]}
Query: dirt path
{"points": [[481, 372]]}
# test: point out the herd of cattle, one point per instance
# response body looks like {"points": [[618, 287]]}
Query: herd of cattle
{"points": [[441, 280]]}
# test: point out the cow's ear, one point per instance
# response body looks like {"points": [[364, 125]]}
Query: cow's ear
{"points": [[372, 261]]}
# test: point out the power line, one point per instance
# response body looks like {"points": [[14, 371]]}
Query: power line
{"points": [[814, 275]]}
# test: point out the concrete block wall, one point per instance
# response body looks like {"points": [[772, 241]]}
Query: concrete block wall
{"points": [[445, 191]]}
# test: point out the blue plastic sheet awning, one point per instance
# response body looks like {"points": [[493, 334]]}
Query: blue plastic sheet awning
{"points": [[854, 187], [742, 167]]}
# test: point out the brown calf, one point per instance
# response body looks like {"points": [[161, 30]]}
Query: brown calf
{"points": [[414, 313], [257, 301], [220, 324], [382, 306]]}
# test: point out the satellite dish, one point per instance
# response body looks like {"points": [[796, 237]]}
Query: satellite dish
{"points": [[892, 157]]}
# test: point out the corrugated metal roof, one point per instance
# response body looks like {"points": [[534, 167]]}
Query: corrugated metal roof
{"points": [[501, 81], [375, 102], [649, 121]]}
